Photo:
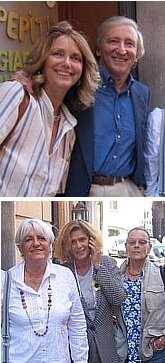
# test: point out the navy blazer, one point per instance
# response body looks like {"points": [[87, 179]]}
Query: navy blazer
{"points": [[81, 167]]}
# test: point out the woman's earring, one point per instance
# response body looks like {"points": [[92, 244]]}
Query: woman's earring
{"points": [[78, 84], [39, 78]]}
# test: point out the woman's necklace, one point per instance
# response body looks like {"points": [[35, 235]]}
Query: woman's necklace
{"points": [[55, 128], [139, 273], [24, 305], [57, 118]]}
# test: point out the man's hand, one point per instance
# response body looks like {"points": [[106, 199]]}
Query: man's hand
{"points": [[22, 77]]}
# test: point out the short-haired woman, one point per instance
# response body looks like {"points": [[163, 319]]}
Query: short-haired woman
{"points": [[144, 308], [45, 311]]}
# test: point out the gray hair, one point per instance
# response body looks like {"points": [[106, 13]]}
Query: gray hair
{"points": [[139, 229], [38, 225], [118, 20]]}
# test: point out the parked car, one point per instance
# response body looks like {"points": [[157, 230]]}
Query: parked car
{"points": [[157, 254], [116, 248], [154, 240]]}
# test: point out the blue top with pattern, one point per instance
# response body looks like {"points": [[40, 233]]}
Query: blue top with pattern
{"points": [[132, 314]]}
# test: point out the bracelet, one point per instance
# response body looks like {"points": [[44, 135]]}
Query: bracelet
{"points": [[96, 269]]}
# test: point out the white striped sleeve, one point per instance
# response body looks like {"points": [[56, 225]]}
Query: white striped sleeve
{"points": [[11, 95]]}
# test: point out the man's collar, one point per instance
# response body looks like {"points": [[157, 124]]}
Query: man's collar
{"points": [[107, 79]]}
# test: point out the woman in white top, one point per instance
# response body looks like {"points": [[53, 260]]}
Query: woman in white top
{"points": [[45, 312], [34, 157]]}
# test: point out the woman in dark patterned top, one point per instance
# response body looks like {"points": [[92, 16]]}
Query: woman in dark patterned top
{"points": [[99, 283]]}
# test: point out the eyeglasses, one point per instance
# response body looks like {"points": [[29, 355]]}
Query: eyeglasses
{"points": [[141, 242]]}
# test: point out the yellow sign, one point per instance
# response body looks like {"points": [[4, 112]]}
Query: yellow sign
{"points": [[25, 29], [19, 27]]}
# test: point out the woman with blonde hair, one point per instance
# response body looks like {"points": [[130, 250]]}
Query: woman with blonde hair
{"points": [[37, 129], [79, 247]]}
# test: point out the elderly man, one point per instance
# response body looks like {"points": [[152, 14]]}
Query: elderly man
{"points": [[108, 159]]}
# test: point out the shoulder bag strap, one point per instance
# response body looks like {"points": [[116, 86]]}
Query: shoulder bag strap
{"points": [[162, 271], [162, 156], [22, 108], [5, 312]]}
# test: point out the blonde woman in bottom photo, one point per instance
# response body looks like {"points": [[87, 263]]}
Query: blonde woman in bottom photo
{"points": [[46, 319], [79, 246]]}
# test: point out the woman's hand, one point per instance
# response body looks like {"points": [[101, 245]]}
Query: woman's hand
{"points": [[158, 343], [95, 253], [21, 77]]}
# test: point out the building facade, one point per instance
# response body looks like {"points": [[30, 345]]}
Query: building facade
{"points": [[158, 219]]}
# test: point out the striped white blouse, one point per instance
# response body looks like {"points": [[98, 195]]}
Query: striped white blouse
{"points": [[26, 167]]}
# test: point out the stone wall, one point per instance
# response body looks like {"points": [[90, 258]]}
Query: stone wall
{"points": [[151, 20]]}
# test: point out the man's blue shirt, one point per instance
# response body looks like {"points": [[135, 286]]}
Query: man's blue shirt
{"points": [[114, 129]]}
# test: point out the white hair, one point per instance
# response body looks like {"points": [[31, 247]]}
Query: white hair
{"points": [[38, 225], [117, 21]]}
